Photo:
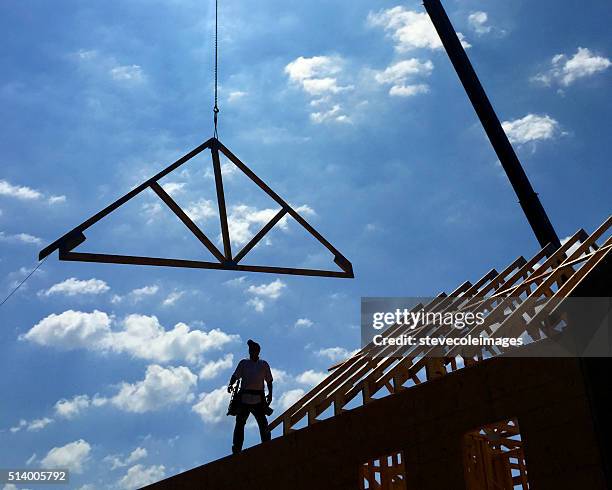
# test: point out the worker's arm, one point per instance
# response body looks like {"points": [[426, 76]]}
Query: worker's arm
{"points": [[235, 377], [268, 378]]}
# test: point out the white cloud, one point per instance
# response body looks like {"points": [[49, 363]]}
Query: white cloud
{"points": [[235, 95], [258, 304], [172, 298], [160, 388], [19, 192], [318, 77], [69, 409], [566, 70], [398, 74], [32, 426], [531, 128], [409, 29], [333, 114], [118, 462], [310, 377], [71, 330], [212, 407], [74, 287], [400, 71], [201, 210], [20, 238], [271, 290], [71, 456], [137, 294], [212, 369], [303, 322], [335, 354], [127, 73], [56, 199], [302, 68], [288, 398], [265, 293], [139, 476], [174, 188], [26, 193], [242, 218], [408, 90], [39, 424], [144, 291], [141, 336], [478, 22]]}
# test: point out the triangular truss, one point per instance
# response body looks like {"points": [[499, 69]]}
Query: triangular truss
{"points": [[226, 259]]}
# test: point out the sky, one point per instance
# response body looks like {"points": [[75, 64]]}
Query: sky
{"points": [[351, 111]]}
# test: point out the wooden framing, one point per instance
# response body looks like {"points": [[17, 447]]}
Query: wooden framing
{"points": [[493, 457], [226, 260], [514, 301]]}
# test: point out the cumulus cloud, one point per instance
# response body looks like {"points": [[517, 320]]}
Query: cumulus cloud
{"points": [[212, 407], [201, 210], [531, 128], [303, 322], [19, 192], [174, 188], [399, 74], [265, 293], [409, 29], [140, 336], [20, 238], [139, 476], [212, 369], [71, 456], [68, 409], [478, 22], [160, 388], [288, 398], [318, 77], [335, 354], [244, 221], [116, 461], [311, 377], [565, 70], [74, 287], [137, 294], [25, 193], [32, 426]]}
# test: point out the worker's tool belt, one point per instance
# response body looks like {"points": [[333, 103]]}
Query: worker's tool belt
{"points": [[251, 397]]}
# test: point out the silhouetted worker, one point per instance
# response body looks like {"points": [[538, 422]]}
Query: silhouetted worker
{"points": [[252, 373]]}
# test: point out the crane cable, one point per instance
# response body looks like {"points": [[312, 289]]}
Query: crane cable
{"points": [[216, 107]]}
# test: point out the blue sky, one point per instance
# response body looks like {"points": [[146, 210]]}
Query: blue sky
{"points": [[349, 110]]}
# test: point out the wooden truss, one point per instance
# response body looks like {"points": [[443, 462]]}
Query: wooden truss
{"points": [[494, 457], [516, 300], [227, 260]]}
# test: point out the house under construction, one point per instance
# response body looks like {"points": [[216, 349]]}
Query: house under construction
{"points": [[400, 418]]}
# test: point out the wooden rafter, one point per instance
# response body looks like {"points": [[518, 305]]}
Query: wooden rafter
{"points": [[514, 301]]}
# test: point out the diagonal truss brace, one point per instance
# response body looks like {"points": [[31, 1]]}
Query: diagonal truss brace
{"points": [[226, 260]]}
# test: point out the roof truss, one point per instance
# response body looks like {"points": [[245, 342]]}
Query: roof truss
{"points": [[226, 259]]}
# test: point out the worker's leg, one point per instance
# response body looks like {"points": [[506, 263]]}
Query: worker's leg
{"points": [[262, 422], [241, 418]]}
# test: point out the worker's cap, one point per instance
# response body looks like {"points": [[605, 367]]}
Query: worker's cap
{"points": [[253, 345]]}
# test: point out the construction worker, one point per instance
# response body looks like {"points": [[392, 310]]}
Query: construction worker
{"points": [[251, 373]]}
